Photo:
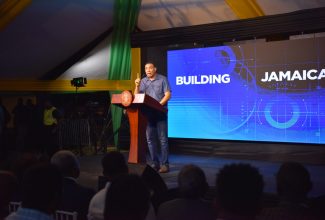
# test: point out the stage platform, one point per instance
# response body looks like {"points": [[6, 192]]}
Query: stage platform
{"points": [[91, 169]]}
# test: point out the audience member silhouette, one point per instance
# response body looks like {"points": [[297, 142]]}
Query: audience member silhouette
{"points": [[31, 123], [20, 120], [19, 166], [41, 192], [37, 140], [318, 206], [239, 189], [50, 121], [5, 117], [293, 185], [113, 164], [127, 198], [8, 184], [192, 187], [75, 197]]}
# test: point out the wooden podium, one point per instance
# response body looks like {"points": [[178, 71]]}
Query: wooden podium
{"points": [[136, 110]]}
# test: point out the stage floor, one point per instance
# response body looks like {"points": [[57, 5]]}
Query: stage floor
{"points": [[91, 169]]}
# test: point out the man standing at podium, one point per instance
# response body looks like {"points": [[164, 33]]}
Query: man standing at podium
{"points": [[156, 86]]}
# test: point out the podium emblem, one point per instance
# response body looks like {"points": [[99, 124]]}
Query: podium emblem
{"points": [[126, 98]]}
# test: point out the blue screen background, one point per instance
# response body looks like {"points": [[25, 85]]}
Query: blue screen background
{"points": [[244, 108]]}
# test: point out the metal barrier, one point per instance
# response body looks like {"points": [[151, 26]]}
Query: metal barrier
{"points": [[74, 133]]}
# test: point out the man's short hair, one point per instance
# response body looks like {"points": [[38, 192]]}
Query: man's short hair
{"points": [[192, 182], [150, 62], [239, 188], [293, 179]]}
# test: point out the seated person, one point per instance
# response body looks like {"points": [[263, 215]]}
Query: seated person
{"points": [[239, 189], [293, 185], [41, 193], [127, 198], [75, 197], [114, 165], [8, 184], [192, 187]]}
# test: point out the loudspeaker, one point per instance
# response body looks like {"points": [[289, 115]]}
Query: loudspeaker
{"points": [[153, 180]]}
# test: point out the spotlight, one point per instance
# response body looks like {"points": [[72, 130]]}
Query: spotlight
{"points": [[79, 82]]}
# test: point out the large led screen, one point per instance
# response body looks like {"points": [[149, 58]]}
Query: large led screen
{"points": [[262, 91]]}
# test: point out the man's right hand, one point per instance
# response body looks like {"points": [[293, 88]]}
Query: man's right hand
{"points": [[137, 85], [137, 82]]}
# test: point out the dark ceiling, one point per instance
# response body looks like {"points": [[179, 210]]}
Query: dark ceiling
{"points": [[46, 33]]}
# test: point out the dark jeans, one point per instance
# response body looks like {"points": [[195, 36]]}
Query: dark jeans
{"points": [[157, 131]]}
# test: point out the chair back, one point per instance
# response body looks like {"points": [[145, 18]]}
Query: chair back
{"points": [[13, 206], [65, 215], [59, 214]]}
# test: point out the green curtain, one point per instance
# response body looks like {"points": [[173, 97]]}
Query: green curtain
{"points": [[124, 21]]}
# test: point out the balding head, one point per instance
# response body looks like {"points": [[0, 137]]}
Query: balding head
{"points": [[67, 162]]}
